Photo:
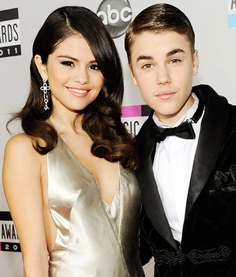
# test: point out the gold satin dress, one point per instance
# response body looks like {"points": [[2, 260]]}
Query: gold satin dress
{"points": [[93, 239]]}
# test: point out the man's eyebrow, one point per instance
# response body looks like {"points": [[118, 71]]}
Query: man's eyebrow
{"points": [[168, 54], [174, 51], [143, 57]]}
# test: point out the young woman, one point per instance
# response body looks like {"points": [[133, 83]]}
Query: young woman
{"points": [[68, 177]]}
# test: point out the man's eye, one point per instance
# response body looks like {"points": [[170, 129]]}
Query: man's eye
{"points": [[175, 61], [68, 63], [148, 65]]}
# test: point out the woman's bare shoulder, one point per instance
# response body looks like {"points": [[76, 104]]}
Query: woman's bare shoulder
{"points": [[19, 139], [21, 157], [20, 144]]}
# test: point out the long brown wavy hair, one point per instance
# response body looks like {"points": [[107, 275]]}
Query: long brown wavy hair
{"points": [[102, 118]]}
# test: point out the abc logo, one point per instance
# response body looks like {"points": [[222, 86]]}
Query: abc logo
{"points": [[115, 15]]}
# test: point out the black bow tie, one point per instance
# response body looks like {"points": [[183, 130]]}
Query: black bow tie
{"points": [[184, 130]]}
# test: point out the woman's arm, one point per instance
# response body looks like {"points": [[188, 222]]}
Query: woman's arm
{"points": [[23, 190]]}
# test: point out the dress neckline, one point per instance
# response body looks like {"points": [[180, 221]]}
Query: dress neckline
{"points": [[85, 169]]}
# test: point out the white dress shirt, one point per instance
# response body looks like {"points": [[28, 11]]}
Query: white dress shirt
{"points": [[172, 167]]}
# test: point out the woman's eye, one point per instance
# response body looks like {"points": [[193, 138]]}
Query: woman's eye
{"points": [[68, 63], [94, 67]]}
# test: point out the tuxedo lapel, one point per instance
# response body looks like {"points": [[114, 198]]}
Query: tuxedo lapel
{"points": [[150, 196], [210, 141]]}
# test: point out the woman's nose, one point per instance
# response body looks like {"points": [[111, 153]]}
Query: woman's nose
{"points": [[81, 76]]}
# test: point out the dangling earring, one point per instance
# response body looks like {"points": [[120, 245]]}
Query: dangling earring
{"points": [[45, 88]]}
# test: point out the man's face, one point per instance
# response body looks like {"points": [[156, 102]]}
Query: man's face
{"points": [[162, 66]]}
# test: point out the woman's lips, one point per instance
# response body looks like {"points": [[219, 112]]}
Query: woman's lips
{"points": [[81, 92]]}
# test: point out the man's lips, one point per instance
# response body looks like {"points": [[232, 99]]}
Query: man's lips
{"points": [[165, 95], [78, 91]]}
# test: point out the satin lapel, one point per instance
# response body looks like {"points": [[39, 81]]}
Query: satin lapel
{"points": [[150, 196], [210, 141]]}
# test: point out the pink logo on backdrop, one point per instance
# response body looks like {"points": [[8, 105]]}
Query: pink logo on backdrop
{"points": [[134, 116]]}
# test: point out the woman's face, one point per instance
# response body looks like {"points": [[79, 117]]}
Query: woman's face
{"points": [[73, 74]]}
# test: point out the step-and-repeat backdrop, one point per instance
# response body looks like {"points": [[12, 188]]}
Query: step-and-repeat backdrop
{"points": [[215, 27]]}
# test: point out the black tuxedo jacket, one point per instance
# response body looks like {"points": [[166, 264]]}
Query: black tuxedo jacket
{"points": [[208, 246]]}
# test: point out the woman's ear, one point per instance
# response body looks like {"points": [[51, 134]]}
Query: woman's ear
{"points": [[41, 67]]}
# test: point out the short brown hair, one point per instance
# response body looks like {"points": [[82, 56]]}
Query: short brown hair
{"points": [[159, 18]]}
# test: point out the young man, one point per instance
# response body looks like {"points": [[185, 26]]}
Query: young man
{"points": [[187, 172]]}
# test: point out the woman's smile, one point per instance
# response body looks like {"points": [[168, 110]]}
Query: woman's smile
{"points": [[81, 92]]}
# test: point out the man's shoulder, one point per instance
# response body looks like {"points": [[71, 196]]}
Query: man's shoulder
{"points": [[232, 116]]}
